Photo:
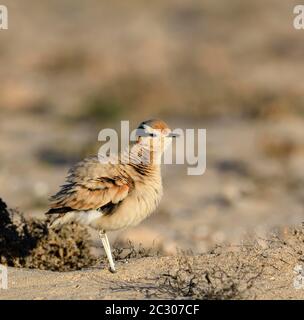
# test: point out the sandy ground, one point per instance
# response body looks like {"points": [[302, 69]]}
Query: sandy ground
{"points": [[140, 279]]}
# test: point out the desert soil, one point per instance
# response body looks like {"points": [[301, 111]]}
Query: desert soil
{"points": [[258, 272], [133, 281]]}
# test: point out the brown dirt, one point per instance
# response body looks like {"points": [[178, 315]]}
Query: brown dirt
{"points": [[245, 275], [253, 270]]}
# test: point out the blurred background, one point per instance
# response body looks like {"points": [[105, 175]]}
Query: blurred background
{"points": [[69, 68]]}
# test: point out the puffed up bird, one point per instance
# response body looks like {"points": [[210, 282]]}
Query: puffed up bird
{"points": [[113, 195]]}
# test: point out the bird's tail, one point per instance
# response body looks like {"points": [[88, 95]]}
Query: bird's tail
{"points": [[60, 220]]}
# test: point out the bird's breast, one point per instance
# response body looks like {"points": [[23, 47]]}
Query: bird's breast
{"points": [[138, 205], [147, 198]]}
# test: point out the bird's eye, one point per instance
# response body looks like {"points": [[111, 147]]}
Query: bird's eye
{"points": [[152, 135]]}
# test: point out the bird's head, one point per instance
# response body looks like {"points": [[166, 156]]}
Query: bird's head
{"points": [[155, 135]]}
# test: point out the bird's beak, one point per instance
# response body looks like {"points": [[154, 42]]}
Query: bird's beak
{"points": [[173, 135]]}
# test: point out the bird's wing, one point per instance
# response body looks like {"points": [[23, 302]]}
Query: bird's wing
{"points": [[91, 185]]}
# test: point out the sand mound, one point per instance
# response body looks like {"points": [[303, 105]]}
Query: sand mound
{"points": [[29, 243]]}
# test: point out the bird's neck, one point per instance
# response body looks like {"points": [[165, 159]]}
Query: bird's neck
{"points": [[143, 157]]}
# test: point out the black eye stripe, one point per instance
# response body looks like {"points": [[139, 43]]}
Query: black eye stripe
{"points": [[147, 134], [141, 132]]}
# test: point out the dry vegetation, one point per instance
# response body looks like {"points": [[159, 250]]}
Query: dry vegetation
{"points": [[193, 281], [246, 271], [30, 243]]}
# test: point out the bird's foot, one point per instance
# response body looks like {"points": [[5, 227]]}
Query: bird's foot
{"points": [[112, 270]]}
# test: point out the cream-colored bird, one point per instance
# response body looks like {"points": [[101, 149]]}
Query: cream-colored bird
{"points": [[117, 194]]}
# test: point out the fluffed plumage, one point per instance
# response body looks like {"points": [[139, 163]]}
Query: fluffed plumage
{"points": [[111, 196]]}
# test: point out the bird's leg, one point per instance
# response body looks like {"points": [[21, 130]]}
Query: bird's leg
{"points": [[105, 241]]}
